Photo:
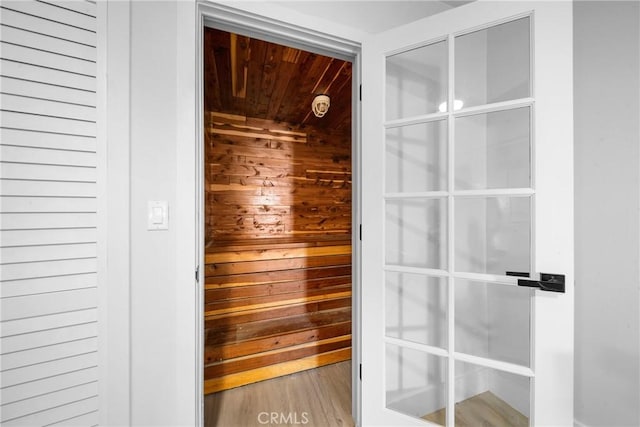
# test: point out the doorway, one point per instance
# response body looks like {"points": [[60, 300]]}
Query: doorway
{"points": [[278, 209]]}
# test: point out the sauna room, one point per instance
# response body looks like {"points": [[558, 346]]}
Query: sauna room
{"points": [[278, 216]]}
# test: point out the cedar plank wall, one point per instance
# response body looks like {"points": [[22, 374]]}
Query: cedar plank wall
{"points": [[278, 249]]}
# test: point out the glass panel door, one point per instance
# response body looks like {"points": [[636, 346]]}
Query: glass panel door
{"points": [[455, 203], [478, 210]]}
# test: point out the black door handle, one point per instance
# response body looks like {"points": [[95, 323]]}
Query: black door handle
{"points": [[548, 281]]}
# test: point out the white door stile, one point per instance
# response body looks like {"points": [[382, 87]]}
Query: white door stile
{"points": [[49, 323], [551, 207]]}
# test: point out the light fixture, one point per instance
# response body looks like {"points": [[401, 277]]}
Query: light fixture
{"points": [[320, 105], [457, 104]]}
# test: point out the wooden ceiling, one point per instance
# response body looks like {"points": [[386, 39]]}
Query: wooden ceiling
{"points": [[254, 78]]}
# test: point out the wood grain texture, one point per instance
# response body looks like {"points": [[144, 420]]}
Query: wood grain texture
{"points": [[285, 368], [270, 310], [278, 200], [247, 76], [266, 179], [484, 409], [323, 394]]}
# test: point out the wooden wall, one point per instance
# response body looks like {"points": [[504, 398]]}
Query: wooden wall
{"points": [[267, 179], [278, 255], [274, 308]]}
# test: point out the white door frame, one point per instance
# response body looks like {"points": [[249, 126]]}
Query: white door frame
{"points": [[239, 21]]}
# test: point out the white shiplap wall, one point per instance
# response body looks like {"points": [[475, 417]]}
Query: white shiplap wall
{"points": [[48, 235]]}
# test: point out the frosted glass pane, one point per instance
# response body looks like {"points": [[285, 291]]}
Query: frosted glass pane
{"points": [[493, 65], [416, 308], [416, 233], [493, 321], [489, 397], [416, 157], [415, 381], [416, 81], [492, 150], [492, 234]]}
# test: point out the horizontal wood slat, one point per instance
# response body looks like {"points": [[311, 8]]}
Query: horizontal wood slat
{"points": [[272, 253], [279, 288], [231, 268], [275, 276], [215, 353], [266, 182], [285, 368], [277, 327], [277, 301], [230, 319], [276, 356], [272, 303]]}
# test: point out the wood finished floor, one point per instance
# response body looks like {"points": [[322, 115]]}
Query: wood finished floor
{"points": [[483, 410], [321, 396]]}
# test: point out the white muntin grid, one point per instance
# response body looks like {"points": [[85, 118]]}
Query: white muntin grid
{"points": [[451, 195]]}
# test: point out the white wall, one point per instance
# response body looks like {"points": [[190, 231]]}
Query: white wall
{"points": [[607, 185], [153, 177]]}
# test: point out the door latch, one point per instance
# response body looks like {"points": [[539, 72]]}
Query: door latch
{"points": [[548, 281]]}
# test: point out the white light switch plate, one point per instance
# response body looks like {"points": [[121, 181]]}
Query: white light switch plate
{"points": [[158, 215]]}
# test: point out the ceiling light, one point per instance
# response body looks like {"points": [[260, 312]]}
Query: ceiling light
{"points": [[320, 105]]}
